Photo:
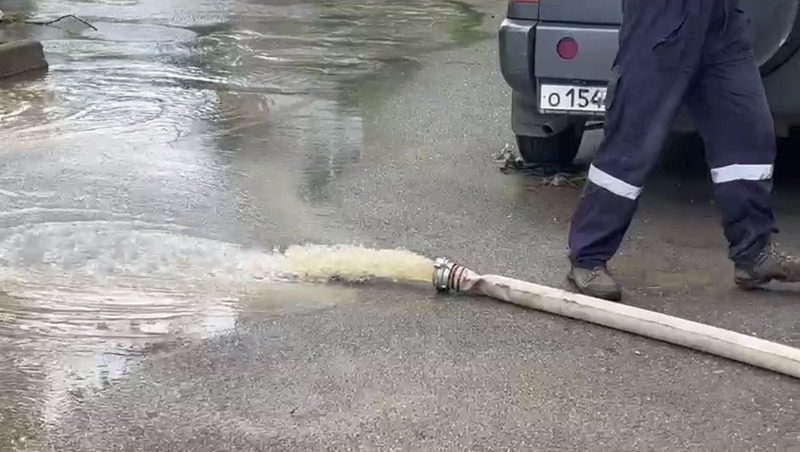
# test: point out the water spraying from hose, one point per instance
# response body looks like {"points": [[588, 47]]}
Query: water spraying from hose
{"points": [[313, 263], [71, 257], [451, 277]]}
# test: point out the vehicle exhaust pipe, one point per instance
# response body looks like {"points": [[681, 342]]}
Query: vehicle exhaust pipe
{"points": [[449, 276]]}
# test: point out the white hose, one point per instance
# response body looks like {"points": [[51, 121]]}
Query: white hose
{"points": [[728, 344]]}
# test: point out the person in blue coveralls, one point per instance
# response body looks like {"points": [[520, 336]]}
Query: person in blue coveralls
{"points": [[697, 53]]}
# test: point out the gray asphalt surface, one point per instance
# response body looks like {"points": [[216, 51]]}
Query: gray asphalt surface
{"points": [[404, 371], [386, 367]]}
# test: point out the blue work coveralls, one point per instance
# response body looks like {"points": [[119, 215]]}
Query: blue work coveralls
{"points": [[697, 53]]}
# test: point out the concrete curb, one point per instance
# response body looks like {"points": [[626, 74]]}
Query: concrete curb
{"points": [[18, 57]]}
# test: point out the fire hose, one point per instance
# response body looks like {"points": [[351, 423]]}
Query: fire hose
{"points": [[451, 277]]}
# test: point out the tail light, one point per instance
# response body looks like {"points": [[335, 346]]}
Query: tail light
{"points": [[567, 48]]}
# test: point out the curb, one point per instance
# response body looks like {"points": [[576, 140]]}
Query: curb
{"points": [[17, 57]]}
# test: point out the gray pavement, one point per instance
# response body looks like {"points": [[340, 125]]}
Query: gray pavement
{"points": [[385, 367], [404, 370]]}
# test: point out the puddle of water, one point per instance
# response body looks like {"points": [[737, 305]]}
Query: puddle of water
{"points": [[80, 290], [75, 308], [158, 144], [132, 33]]}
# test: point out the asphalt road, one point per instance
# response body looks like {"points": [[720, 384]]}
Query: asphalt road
{"points": [[386, 367]]}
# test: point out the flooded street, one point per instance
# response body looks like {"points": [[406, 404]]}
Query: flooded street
{"points": [[147, 178], [153, 180]]}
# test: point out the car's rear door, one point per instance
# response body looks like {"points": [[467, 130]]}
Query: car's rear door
{"points": [[581, 11], [592, 26], [776, 23]]}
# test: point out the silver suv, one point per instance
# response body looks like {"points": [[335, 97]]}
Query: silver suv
{"points": [[556, 56]]}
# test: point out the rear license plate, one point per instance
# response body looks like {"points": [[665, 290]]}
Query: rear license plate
{"points": [[572, 98]]}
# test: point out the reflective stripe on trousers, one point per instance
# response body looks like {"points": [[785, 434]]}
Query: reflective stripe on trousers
{"points": [[721, 175], [617, 186], [737, 171]]}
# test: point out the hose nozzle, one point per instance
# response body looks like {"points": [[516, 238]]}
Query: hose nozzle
{"points": [[442, 269], [448, 275]]}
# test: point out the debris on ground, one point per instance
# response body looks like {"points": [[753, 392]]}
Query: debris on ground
{"points": [[9, 18], [553, 175], [20, 19], [509, 159], [563, 180], [54, 22]]}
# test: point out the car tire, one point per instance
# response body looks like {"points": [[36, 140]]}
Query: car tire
{"points": [[557, 151]]}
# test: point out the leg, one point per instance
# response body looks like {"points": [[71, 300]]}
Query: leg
{"points": [[661, 45], [731, 111], [638, 121]]}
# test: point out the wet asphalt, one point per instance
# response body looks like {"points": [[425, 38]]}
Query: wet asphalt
{"points": [[384, 367]]}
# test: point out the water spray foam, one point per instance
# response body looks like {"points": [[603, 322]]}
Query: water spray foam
{"points": [[452, 277]]}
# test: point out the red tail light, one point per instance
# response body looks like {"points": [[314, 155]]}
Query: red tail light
{"points": [[567, 48]]}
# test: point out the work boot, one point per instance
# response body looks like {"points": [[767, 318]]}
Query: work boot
{"points": [[596, 282], [770, 265]]}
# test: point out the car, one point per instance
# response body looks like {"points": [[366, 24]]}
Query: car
{"points": [[556, 56]]}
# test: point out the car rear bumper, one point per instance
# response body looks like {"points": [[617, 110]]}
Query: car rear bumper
{"points": [[517, 40]]}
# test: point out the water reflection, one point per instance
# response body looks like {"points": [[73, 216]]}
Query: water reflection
{"points": [[155, 148]]}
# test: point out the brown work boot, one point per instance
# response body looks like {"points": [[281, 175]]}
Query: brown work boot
{"points": [[771, 265], [595, 282]]}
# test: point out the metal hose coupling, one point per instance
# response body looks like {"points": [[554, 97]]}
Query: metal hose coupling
{"points": [[448, 275]]}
